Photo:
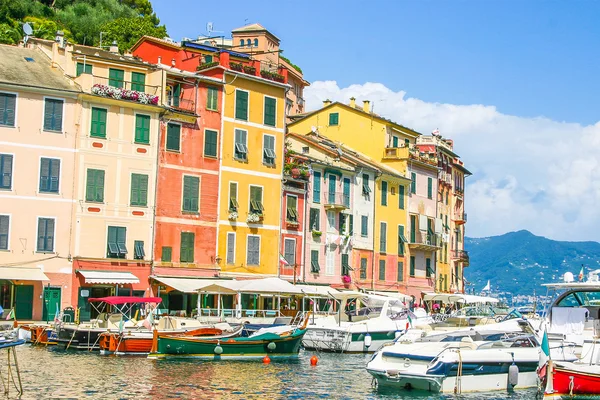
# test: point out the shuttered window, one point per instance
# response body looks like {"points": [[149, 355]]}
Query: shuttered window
{"points": [[8, 104], [138, 81], [173, 137], [116, 77], [167, 254], [292, 208], [401, 197], [289, 251], [429, 188], [413, 183], [139, 190], [241, 105], [186, 252], [382, 270], [191, 193], [314, 262], [53, 115], [351, 225], [98, 125], [384, 187], [84, 68], [400, 271], [269, 150], [334, 119], [230, 248], [94, 190], [253, 250], [363, 268], [233, 195], [45, 238], [365, 185], [342, 224], [116, 243], [138, 250], [241, 145], [256, 198], [270, 111], [210, 143], [401, 240], [346, 192], [4, 229], [364, 225], [315, 219], [383, 237], [316, 187], [412, 266], [49, 175], [142, 129], [346, 264], [212, 99], [428, 270]]}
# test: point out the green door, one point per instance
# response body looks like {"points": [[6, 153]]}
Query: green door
{"points": [[23, 301], [51, 302], [332, 189]]}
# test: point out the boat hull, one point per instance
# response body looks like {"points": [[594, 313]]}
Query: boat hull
{"points": [[42, 335], [570, 383], [340, 341], [73, 337]]}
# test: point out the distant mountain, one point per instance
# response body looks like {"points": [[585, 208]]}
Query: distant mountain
{"points": [[519, 262]]}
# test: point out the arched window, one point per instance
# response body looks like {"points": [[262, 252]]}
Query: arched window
{"points": [[249, 43], [255, 42], [241, 42]]}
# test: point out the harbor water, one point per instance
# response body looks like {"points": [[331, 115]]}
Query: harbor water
{"points": [[51, 373]]}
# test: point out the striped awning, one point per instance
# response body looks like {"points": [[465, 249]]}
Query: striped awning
{"points": [[109, 277]]}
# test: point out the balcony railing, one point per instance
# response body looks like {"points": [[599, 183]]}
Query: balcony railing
{"points": [[395, 153], [120, 89], [424, 241], [460, 255], [337, 200], [460, 218]]}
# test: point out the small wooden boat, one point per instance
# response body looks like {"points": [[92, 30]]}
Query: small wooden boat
{"points": [[42, 335], [570, 380]]}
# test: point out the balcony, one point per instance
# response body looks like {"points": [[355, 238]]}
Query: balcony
{"points": [[336, 201], [460, 218], [120, 89], [395, 153], [424, 241], [461, 255]]}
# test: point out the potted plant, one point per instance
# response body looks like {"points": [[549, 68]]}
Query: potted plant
{"points": [[232, 215], [346, 280], [249, 69], [236, 66], [254, 217], [316, 233]]}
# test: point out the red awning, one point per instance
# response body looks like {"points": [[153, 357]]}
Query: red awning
{"points": [[114, 300]]}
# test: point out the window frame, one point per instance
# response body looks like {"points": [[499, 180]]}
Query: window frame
{"points": [[162, 254], [429, 188], [167, 138], [382, 262], [317, 213], [138, 204], [216, 132], [8, 231], [197, 210], [84, 64], [364, 224], [261, 206], [181, 235], [137, 84], [136, 248], [363, 271], [248, 236], [122, 80], [245, 144], [137, 140], [401, 197], [62, 125], [227, 248], [288, 239], [37, 249], [209, 90], [105, 122], [119, 252], [57, 191], [337, 119], [316, 178], [87, 171], [400, 268], [235, 105], [15, 119], [236, 207], [264, 150], [382, 238], [314, 270], [384, 193], [265, 97], [295, 215], [413, 183]]}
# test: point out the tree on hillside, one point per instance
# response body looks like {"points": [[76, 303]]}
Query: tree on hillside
{"points": [[127, 31]]}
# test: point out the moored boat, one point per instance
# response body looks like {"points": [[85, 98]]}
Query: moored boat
{"points": [[570, 380], [42, 334]]}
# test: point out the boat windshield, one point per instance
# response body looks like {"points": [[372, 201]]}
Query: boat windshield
{"points": [[474, 311], [511, 342], [580, 298]]}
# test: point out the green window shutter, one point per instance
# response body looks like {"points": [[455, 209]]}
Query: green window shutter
{"points": [[314, 219], [401, 240], [8, 103], [269, 150], [365, 185], [395, 141], [270, 111], [363, 268], [292, 208], [241, 145], [400, 271], [98, 126], [401, 197], [49, 175], [241, 105], [316, 187], [212, 98], [84, 68], [412, 265], [413, 182], [95, 186], [139, 190], [406, 142], [382, 270], [384, 187], [210, 143], [138, 81], [6, 168], [186, 253], [191, 187], [138, 250], [332, 185], [428, 267], [383, 237], [345, 264], [45, 235], [334, 119], [351, 225], [314, 262], [413, 228], [429, 188], [364, 226], [256, 197], [167, 253], [142, 129], [116, 77], [173, 137], [4, 228], [346, 192], [53, 113], [341, 223], [233, 203]]}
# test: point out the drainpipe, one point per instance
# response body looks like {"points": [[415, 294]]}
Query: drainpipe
{"points": [[377, 175], [304, 228]]}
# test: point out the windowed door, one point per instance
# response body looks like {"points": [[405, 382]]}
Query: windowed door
{"points": [[51, 302]]}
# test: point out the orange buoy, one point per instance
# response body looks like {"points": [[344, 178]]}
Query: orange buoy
{"points": [[314, 360], [266, 360]]}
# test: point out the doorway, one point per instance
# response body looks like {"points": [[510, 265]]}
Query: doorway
{"points": [[23, 302], [51, 304]]}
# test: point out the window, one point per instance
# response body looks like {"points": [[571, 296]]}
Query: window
{"points": [[270, 112], [241, 105], [84, 68], [364, 225], [173, 137], [241, 145], [383, 237], [241, 42], [230, 260], [447, 191], [138, 81], [346, 192], [4, 229], [413, 228], [212, 97], [167, 254], [45, 238], [384, 187], [255, 42], [139, 190], [428, 269], [269, 150], [429, 188], [8, 104], [210, 143], [116, 77], [351, 225], [191, 192], [401, 197], [248, 43], [253, 250], [395, 141], [334, 119], [6, 168], [142, 128], [382, 270], [315, 219], [316, 187], [330, 221], [49, 175], [53, 115], [314, 262], [174, 95], [346, 265], [413, 183], [329, 260], [138, 250], [342, 224], [363, 268], [233, 203], [412, 266], [186, 252], [117, 237], [256, 198], [94, 190], [400, 276], [292, 208], [401, 240], [289, 251], [332, 184], [365, 185], [98, 125]]}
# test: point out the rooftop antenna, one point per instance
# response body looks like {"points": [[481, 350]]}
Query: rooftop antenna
{"points": [[28, 31]]}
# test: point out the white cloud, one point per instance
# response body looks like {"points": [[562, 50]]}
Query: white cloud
{"points": [[528, 173]]}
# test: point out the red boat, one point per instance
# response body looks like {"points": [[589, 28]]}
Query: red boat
{"points": [[567, 380]]}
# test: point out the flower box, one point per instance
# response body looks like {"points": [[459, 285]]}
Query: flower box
{"points": [[236, 66], [124, 94], [254, 218], [317, 233], [232, 215], [292, 223], [207, 65], [249, 70]]}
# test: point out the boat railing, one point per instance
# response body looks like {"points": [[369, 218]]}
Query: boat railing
{"points": [[235, 313]]}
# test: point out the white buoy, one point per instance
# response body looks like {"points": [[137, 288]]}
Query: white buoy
{"points": [[218, 350], [368, 340], [513, 375]]}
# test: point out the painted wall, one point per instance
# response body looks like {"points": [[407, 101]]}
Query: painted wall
{"points": [[291, 230]]}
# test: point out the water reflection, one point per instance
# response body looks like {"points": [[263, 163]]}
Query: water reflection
{"points": [[50, 373]]}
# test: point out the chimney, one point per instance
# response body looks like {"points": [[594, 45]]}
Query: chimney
{"points": [[326, 103], [114, 48], [159, 60], [60, 39], [352, 102], [366, 106]]}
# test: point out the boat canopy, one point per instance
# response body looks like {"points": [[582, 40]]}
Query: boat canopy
{"points": [[458, 298], [395, 295], [316, 290], [118, 300], [349, 294]]}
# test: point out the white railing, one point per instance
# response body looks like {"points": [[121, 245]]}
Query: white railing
{"points": [[234, 313]]}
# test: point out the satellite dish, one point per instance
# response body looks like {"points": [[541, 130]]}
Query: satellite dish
{"points": [[27, 29], [568, 277]]}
